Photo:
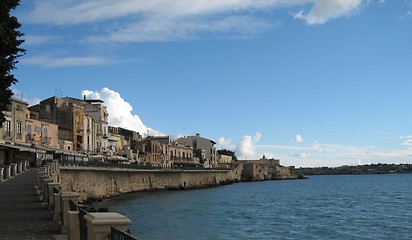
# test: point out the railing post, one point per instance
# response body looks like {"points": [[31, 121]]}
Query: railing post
{"points": [[99, 224], [55, 165], [13, 169], [65, 198], [46, 189], [47, 169], [74, 225], [50, 188], [7, 173], [51, 172], [40, 177], [1, 174], [19, 167], [57, 209], [42, 169]]}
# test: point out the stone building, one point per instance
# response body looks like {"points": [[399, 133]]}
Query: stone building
{"points": [[265, 169], [42, 133], [132, 137], [166, 152], [82, 122], [14, 128], [22, 138], [99, 123], [90, 137], [224, 161], [67, 115], [151, 152], [204, 149], [181, 155]]}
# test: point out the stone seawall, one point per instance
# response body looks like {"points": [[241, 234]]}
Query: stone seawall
{"points": [[107, 182]]}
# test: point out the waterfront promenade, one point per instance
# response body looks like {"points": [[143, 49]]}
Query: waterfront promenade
{"points": [[23, 216]]}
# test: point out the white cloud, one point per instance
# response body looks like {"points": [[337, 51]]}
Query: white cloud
{"points": [[246, 148], [39, 39], [51, 62], [165, 20], [163, 29], [298, 138], [224, 143], [407, 143], [316, 146], [324, 10], [120, 111], [257, 137], [318, 154]]}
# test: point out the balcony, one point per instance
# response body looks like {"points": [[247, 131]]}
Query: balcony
{"points": [[7, 136]]}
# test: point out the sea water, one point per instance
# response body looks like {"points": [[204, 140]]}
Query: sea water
{"points": [[321, 207]]}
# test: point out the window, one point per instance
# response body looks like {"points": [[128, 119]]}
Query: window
{"points": [[8, 127], [19, 128], [77, 120], [28, 129], [45, 135]]}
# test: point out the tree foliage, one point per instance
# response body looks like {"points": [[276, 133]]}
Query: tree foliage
{"points": [[10, 40], [228, 153]]}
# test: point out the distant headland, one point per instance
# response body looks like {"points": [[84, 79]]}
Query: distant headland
{"points": [[359, 169]]}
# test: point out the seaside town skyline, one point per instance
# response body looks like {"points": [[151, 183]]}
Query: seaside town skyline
{"points": [[313, 83]]}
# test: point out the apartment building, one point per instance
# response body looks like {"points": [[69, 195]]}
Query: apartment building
{"points": [[204, 149]]}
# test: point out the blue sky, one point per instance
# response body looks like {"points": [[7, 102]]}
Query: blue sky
{"points": [[312, 82]]}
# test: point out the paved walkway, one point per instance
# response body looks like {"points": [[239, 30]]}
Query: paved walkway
{"points": [[22, 215]]}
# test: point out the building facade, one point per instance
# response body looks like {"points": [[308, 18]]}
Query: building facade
{"points": [[204, 149]]}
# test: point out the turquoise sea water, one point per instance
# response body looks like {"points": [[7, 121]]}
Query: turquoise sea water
{"points": [[321, 207]]}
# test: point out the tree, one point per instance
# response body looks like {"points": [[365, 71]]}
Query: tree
{"points": [[9, 52], [228, 153]]}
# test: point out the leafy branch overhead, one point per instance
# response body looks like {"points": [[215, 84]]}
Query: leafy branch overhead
{"points": [[10, 50]]}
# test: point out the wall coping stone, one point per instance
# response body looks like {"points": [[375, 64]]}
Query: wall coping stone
{"points": [[107, 218]]}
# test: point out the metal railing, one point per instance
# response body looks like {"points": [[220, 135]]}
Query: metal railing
{"points": [[107, 165], [73, 206], [117, 234], [83, 223], [131, 166]]}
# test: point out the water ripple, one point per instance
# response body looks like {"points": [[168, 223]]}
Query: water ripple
{"points": [[322, 207]]}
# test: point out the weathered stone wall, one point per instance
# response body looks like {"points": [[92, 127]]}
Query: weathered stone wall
{"points": [[265, 170], [92, 182], [98, 182], [285, 172]]}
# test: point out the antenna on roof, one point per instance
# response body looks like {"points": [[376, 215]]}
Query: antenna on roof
{"points": [[58, 92]]}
